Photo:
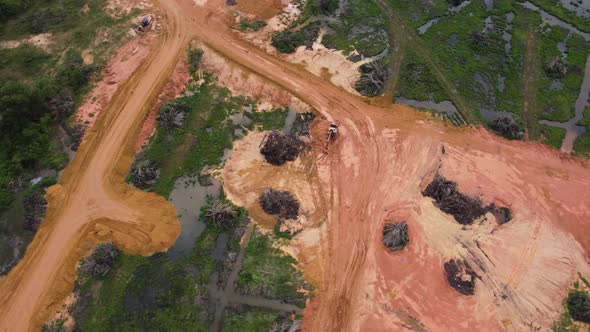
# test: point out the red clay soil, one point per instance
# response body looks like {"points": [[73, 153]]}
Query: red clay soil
{"points": [[382, 159], [120, 67]]}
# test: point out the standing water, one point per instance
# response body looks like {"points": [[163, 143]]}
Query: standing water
{"points": [[574, 131], [188, 196]]}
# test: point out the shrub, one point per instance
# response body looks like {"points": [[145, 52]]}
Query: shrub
{"points": [[578, 304], [194, 58], [287, 41]]}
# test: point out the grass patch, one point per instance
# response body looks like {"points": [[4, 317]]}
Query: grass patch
{"points": [[269, 272], [418, 12], [556, 9], [417, 80], [556, 97], [363, 28], [552, 136]]}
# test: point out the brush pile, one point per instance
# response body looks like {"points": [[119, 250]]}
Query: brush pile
{"points": [[395, 235], [280, 203], [145, 173], [279, 148], [101, 260], [460, 276], [446, 197]]}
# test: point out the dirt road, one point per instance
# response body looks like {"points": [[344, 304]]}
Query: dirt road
{"points": [[92, 203], [383, 155]]}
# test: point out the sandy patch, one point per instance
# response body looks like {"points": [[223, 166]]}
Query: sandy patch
{"points": [[87, 57], [44, 41], [328, 64], [120, 8], [242, 82], [200, 2]]}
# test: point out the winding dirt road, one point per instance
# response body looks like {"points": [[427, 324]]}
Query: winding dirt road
{"points": [[92, 203], [381, 158]]}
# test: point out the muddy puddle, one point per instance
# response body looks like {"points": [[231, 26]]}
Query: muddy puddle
{"points": [[188, 196], [580, 8], [573, 130], [554, 21], [445, 110]]}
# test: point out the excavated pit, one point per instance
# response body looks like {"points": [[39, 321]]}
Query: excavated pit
{"points": [[278, 148], [460, 276]]}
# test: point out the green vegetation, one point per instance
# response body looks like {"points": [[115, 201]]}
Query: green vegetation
{"points": [[246, 25], [582, 144], [165, 292], [361, 28], [39, 91], [578, 305], [476, 61], [417, 80], [324, 7], [287, 41], [269, 272], [556, 97], [552, 136], [418, 12], [194, 57], [251, 319]]}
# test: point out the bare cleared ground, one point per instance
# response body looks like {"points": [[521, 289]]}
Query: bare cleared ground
{"points": [[382, 158]]}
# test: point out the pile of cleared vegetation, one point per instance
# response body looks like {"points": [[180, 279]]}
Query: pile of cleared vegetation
{"points": [[220, 214], [446, 197], [172, 114], [556, 68], [278, 148], [460, 276], [578, 305], [280, 203], [395, 235], [373, 78], [506, 127], [145, 173], [101, 260]]}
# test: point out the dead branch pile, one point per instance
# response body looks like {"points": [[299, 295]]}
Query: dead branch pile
{"points": [[556, 68], [145, 173], [507, 127], [302, 123], [395, 235], [460, 276], [373, 78], [101, 260], [222, 215], [280, 203], [280, 148], [446, 197]]}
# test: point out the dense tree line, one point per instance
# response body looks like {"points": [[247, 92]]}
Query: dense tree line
{"points": [[29, 114]]}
